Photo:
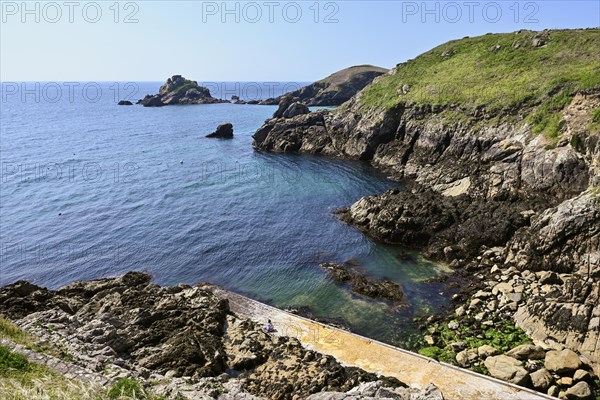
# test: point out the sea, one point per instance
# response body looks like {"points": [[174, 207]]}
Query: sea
{"points": [[90, 189]]}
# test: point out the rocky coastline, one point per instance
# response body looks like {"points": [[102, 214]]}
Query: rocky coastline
{"points": [[181, 342], [512, 205]]}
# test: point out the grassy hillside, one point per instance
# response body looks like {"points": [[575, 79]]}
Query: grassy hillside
{"points": [[340, 77], [500, 72]]}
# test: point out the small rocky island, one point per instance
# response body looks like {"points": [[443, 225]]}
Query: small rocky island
{"points": [[178, 90]]}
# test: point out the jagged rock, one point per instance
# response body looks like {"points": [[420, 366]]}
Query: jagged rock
{"points": [[224, 131], [507, 368], [373, 288], [379, 390], [562, 361], [527, 352], [178, 90], [580, 391], [541, 379], [182, 337], [295, 109], [433, 222]]}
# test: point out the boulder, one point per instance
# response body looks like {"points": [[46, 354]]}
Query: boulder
{"points": [[580, 391], [581, 375], [295, 109], [541, 379], [466, 357], [224, 131], [124, 103], [562, 361], [527, 352], [486, 351], [507, 368]]}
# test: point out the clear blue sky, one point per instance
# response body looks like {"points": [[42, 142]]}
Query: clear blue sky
{"points": [[202, 42]]}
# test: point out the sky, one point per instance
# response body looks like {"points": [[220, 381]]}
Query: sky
{"points": [[248, 41]]}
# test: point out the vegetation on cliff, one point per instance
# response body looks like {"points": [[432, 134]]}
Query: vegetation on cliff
{"points": [[498, 74]]}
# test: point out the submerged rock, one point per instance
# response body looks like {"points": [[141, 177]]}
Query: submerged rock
{"points": [[374, 288]]}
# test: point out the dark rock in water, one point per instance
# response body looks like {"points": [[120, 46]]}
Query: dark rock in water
{"points": [[124, 103], [373, 288], [178, 90], [253, 102], [224, 131]]}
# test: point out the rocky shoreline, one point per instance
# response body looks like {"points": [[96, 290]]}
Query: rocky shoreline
{"points": [[183, 342], [501, 203]]}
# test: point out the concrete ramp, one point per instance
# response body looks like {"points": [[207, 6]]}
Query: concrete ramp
{"points": [[373, 356]]}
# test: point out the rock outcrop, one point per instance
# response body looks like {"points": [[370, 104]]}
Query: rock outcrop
{"points": [[223, 131], [124, 103], [183, 337], [178, 90]]}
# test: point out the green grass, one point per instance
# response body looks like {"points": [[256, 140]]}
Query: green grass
{"points": [[595, 124], [12, 332], [23, 380], [533, 81], [10, 361]]}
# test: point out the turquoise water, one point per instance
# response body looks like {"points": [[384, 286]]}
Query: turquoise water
{"points": [[91, 189]]}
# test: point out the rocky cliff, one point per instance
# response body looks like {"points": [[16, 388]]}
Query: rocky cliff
{"points": [[336, 89], [496, 139], [181, 340], [178, 90]]}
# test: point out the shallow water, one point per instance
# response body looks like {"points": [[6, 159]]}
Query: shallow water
{"points": [[93, 189]]}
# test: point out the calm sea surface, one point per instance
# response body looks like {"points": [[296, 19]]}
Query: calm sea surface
{"points": [[90, 189]]}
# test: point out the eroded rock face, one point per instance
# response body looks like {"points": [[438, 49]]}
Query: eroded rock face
{"points": [[563, 240], [444, 227], [410, 142], [183, 337]]}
